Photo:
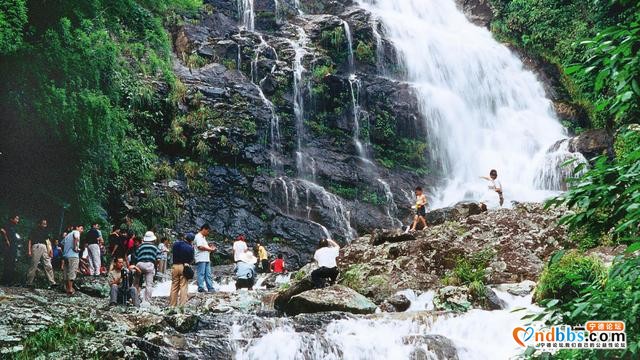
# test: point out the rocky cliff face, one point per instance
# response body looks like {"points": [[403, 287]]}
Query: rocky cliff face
{"points": [[291, 127]]}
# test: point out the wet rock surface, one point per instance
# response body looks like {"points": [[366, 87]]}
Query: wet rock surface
{"points": [[333, 298]]}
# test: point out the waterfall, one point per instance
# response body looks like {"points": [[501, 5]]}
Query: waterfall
{"points": [[347, 33], [298, 94], [354, 85], [553, 172], [379, 47], [246, 13], [482, 109], [391, 208]]}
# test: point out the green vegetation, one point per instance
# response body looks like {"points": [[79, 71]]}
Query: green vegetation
{"points": [[617, 297], [55, 338], [567, 274], [335, 42], [470, 271], [605, 201], [81, 106], [594, 43], [364, 53]]}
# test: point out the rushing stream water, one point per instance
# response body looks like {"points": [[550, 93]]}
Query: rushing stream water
{"points": [[477, 334]]}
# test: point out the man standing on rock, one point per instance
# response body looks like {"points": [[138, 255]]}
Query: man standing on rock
{"points": [[71, 255], [182, 257], [94, 236], [38, 251], [10, 238], [203, 259], [239, 247]]}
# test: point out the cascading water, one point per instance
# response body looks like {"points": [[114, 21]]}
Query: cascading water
{"points": [[347, 33], [379, 47], [483, 109], [245, 9], [477, 334]]}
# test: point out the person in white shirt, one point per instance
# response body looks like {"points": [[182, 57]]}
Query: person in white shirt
{"points": [[202, 258], [239, 247], [494, 187], [326, 254]]}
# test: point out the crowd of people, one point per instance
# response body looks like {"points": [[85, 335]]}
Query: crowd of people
{"points": [[130, 263]]}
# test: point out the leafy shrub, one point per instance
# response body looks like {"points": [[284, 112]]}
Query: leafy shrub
{"points": [[618, 298], [566, 274], [364, 53]]}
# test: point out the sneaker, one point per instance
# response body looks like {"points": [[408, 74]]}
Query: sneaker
{"points": [[201, 290], [53, 286]]}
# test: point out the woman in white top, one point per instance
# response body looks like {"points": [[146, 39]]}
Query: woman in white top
{"points": [[493, 197], [326, 254]]}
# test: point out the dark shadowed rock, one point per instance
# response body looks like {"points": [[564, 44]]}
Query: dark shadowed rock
{"points": [[478, 12], [381, 236], [492, 301], [396, 303], [592, 143], [442, 347], [332, 298], [93, 286]]}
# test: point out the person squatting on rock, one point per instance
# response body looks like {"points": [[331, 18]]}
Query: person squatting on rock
{"points": [[203, 259], [245, 271], [183, 254], [494, 187], [94, 235], [421, 210], [263, 257], [278, 265], [145, 259], [40, 251], [10, 238], [326, 254], [120, 280], [71, 255]]}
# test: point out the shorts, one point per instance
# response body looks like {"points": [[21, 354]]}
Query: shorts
{"points": [[422, 211], [71, 268]]}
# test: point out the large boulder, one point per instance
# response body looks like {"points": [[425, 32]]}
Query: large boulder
{"points": [[456, 212], [592, 143], [300, 282], [478, 12], [333, 298]]}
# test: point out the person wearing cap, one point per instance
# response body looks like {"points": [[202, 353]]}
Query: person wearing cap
{"points": [[145, 259], [203, 259], [239, 247], [182, 256], [245, 270]]}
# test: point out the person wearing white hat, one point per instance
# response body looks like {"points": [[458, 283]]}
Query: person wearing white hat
{"points": [[145, 258], [245, 270]]}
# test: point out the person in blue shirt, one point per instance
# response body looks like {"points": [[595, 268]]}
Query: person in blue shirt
{"points": [[183, 254]]}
